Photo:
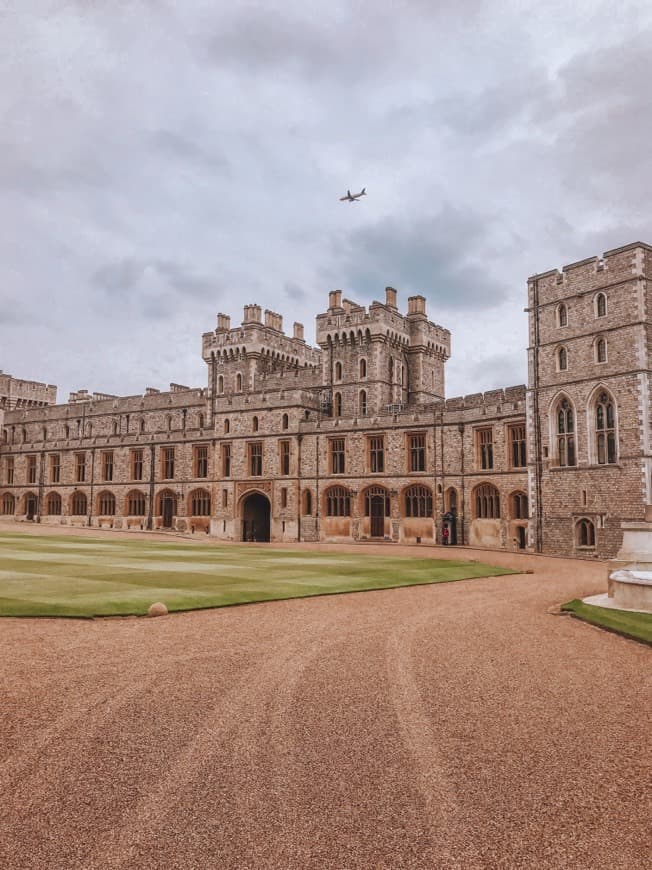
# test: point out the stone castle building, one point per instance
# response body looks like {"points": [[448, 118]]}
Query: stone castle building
{"points": [[355, 440]]}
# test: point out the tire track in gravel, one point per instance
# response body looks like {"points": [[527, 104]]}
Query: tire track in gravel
{"points": [[127, 844], [447, 826]]}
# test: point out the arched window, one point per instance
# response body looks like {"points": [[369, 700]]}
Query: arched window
{"points": [[254, 424], [227, 426], [24, 435], [200, 503], [238, 382], [285, 421], [141, 425], [201, 421], [220, 385], [562, 359], [518, 506], [89, 430], [363, 368], [601, 350], [115, 427], [106, 504], [487, 502], [53, 504], [136, 503], [585, 533], [8, 504], [45, 433], [418, 501], [600, 305], [78, 504], [66, 431], [363, 403], [605, 429], [337, 404], [338, 502], [338, 371], [307, 503], [562, 315], [565, 433], [373, 492]]}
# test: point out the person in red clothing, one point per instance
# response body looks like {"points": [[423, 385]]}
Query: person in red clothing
{"points": [[445, 535]]}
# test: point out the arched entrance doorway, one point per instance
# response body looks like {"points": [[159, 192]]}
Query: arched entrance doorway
{"points": [[167, 508], [30, 505], [255, 517]]}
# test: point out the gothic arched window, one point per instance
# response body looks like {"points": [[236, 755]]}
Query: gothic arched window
{"points": [[605, 429], [338, 502], [562, 359], [418, 501], [337, 404], [601, 350], [600, 305], [565, 433], [363, 403], [487, 502], [562, 315], [363, 368], [585, 533]]}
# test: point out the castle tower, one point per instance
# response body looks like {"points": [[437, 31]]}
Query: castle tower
{"points": [[237, 358], [379, 358], [588, 395]]}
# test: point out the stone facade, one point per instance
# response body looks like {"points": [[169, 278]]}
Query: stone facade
{"points": [[354, 440]]}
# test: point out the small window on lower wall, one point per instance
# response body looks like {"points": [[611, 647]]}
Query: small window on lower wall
{"points": [[307, 503], [585, 533]]}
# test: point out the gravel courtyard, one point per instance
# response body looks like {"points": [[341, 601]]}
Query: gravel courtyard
{"points": [[461, 725]]}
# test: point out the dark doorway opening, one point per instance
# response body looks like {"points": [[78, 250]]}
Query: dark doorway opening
{"points": [[168, 509], [256, 518], [377, 513], [30, 506], [520, 532], [450, 523]]}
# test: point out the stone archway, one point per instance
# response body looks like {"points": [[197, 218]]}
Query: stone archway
{"points": [[256, 514]]}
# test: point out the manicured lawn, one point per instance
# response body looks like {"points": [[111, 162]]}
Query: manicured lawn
{"points": [[66, 576], [635, 625]]}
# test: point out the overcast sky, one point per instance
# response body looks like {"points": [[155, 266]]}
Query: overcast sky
{"points": [[162, 161]]}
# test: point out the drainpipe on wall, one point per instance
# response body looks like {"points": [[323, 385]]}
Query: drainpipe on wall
{"points": [[460, 429], [152, 450]]}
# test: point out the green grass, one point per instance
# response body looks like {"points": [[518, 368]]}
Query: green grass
{"points": [[67, 576], [637, 626]]}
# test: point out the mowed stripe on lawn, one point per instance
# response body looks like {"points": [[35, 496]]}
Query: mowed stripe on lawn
{"points": [[83, 577]]}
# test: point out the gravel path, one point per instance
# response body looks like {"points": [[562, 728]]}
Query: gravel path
{"points": [[451, 726]]}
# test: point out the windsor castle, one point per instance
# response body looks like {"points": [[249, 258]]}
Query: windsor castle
{"points": [[355, 440]]}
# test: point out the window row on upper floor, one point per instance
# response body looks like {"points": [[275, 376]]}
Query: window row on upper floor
{"points": [[563, 356], [82, 468], [125, 424], [599, 309]]}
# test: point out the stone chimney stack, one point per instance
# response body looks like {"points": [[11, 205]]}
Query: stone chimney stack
{"points": [[390, 297], [417, 305], [223, 323], [273, 320], [252, 314], [298, 332], [335, 299]]}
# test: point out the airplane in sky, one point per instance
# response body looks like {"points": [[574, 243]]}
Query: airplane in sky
{"points": [[353, 197]]}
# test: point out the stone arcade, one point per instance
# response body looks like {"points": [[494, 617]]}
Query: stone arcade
{"points": [[355, 440]]}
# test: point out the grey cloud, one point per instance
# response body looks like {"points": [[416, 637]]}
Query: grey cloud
{"points": [[430, 255], [294, 292], [185, 150]]}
